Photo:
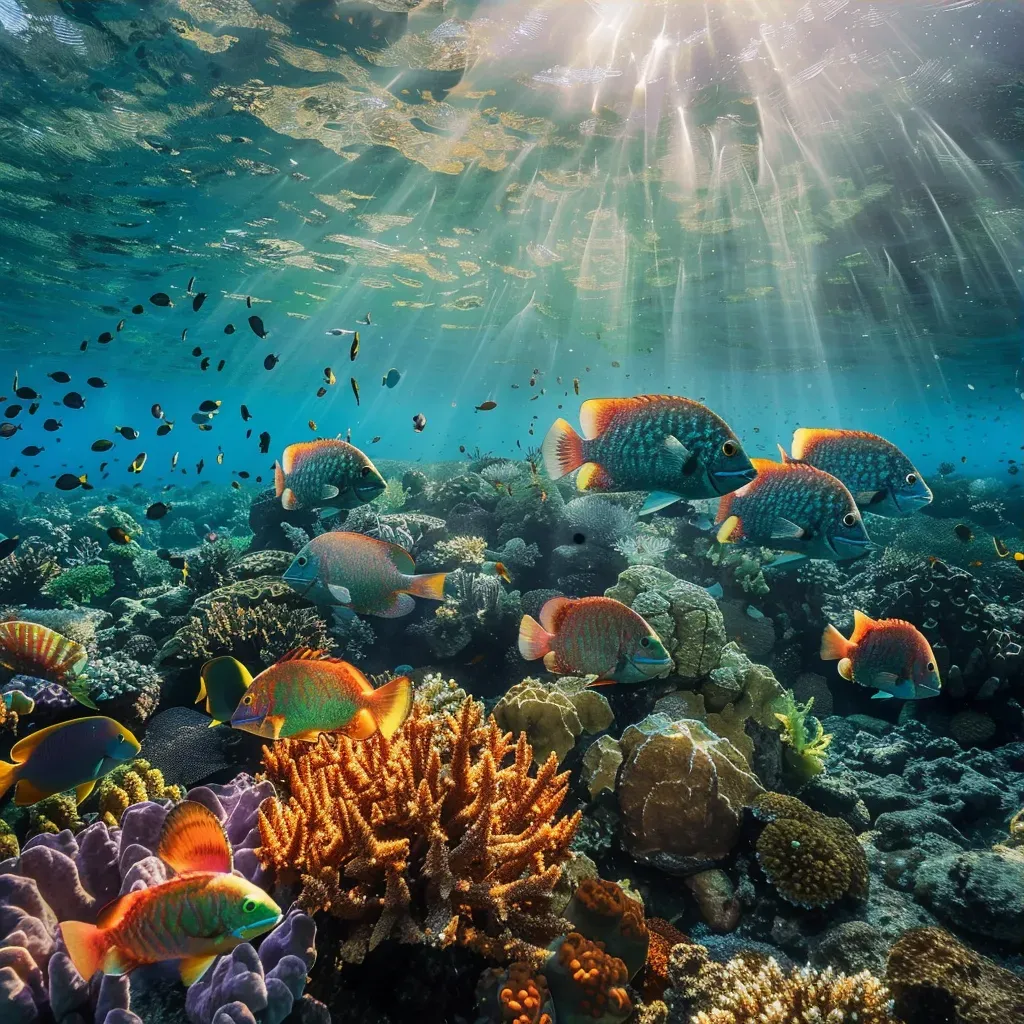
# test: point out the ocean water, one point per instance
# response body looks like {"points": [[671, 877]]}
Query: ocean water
{"points": [[431, 231]]}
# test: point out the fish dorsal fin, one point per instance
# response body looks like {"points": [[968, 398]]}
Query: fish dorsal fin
{"points": [[193, 839], [301, 654], [114, 911], [597, 413], [552, 612], [402, 560], [288, 458], [805, 438], [22, 750], [861, 625], [783, 456]]}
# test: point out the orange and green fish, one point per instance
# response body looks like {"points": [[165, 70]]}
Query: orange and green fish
{"points": [[594, 636], [793, 507], [363, 574], [33, 650], [222, 684], [880, 477], [305, 694], [673, 447], [69, 755], [889, 655], [325, 474], [204, 910]]}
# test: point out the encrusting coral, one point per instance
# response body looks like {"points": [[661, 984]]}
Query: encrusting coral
{"points": [[426, 837], [132, 783], [811, 859]]}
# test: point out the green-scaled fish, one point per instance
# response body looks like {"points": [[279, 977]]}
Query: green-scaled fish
{"points": [[222, 683], [594, 636], [203, 911], [325, 474], [34, 650], [880, 477], [673, 447], [305, 694]]}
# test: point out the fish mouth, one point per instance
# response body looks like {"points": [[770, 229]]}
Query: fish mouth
{"points": [[368, 492], [732, 478], [651, 666], [864, 546], [251, 718], [296, 583], [254, 928], [910, 502]]}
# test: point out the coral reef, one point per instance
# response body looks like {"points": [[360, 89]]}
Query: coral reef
{"points": [[80, 584], [132, 783]]}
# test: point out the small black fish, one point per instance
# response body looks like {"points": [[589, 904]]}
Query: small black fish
{"points": [[177, 561], [105, 338], [963, 533], [96, 382], [210, 405], [156, 411], [68, 482], [120, 326], [9, 429], [27, 393], [199, 466], [15, 471], [60, 377], [128, 433], [355, 388], [264, 443], [102, 445], [52, 425], [1002, 551], [83, 346], [184, 333], [246, 415], [236, 485], [197, 351], [374, 440], [164, 429], [205, 364], [197, 302], [12, 410], [321, 391], [221, 365], [248, 302], [32, 449], [419, 422], [191, 281], [271, 361], [8, 544], [244, 474], [157, 510], [354, 350], [248, 434], [229, 329], [161, 299], [138, 463], [33, 409], [138, 309], [73, 400], [257, 326], [118, 536]]}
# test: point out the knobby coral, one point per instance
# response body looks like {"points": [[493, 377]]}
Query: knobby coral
{"points": [[129, 784], [424, 837]]}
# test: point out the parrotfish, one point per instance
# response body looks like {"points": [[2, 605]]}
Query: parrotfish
{"points": [[222, 682], [594, 636], [888, 654], [325, 473], [880, 477], [793, 507], [204, 910], [34, 650], [305, 694], [367, 575], [69, 755], [673, 447]]}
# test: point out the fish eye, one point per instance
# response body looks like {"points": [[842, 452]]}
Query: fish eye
{"points": [[301, 559], [249, 906], [578, 538], [365, 471], [931, 666], [730, 448], [911, 478], [645, 641], [849, 519], [247, 699]]}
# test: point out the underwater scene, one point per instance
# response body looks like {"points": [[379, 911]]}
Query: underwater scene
{"points": [[511, 512]]}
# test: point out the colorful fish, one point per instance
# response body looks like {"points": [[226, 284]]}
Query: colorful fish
{"points": [[33, 650], [594, 636], [369, 576], [325, 473], [69, 755], [673, 447], [204, 910], [793, 507], [222, 683], [880, 477], [305, 694], [889, 655]]}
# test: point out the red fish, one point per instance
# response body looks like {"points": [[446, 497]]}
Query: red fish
{"points": [[35, 650], [203, 911]]}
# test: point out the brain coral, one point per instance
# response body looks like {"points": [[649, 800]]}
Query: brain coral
{"points": [[811, 859], [682, 790]]}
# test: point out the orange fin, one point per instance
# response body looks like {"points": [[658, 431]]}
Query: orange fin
{"points": [[193, 839], [279, 481], [783, 457], [192, 968], [862, 625], [594, 477], [534, 639], [362, 726], [8, 776], [562, 449], [833, 644], [551, 662], [289, 500], [85, 944], [428, 585], [27, 793], [597, 413], [730, 531], [551, 611], [846, 669], [82, 792], [806, 438], [304, 654], [390, 705]]}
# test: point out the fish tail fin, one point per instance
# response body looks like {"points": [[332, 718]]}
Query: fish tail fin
{"points": [[79, 689], [429, 585], [562, 450], [730, 531], [86, 946], [279, 479], [534, 639], [833, 644], [8, 776], [390, 705]]}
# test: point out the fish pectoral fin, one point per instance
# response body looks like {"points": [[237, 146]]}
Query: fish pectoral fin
{"points": [[329, 513], [343, 616], [329, 491], [340, 594], [881, 695], [401, 604], [673, 454], [786, 558], [786, 529], [846, 669], [289, 500], [213, 723], [82, 792], [657, 500], [193, 839], [885, 678], [868, 497], [551, 661], [192, 968]]}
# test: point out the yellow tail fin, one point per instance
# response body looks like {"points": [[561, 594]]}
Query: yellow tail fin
{"points": [[85, 944], [429, 585], [833, 644], [390, 705]]}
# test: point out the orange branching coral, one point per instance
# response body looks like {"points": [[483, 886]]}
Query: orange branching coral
{"points": [[428, 837], [524, 997], [602, 910], [663, 937], [588, 981]]}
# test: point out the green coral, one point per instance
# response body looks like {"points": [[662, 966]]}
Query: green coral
{"points": [[8, 841], [53, 814], [80, 584], [132, 783], [805, 746], [392, 498]]}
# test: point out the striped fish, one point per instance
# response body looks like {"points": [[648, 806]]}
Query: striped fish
{"points": [[33, 650]]}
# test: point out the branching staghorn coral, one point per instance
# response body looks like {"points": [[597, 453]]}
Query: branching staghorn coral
{"points": [[461, 551], [424, 837]]}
